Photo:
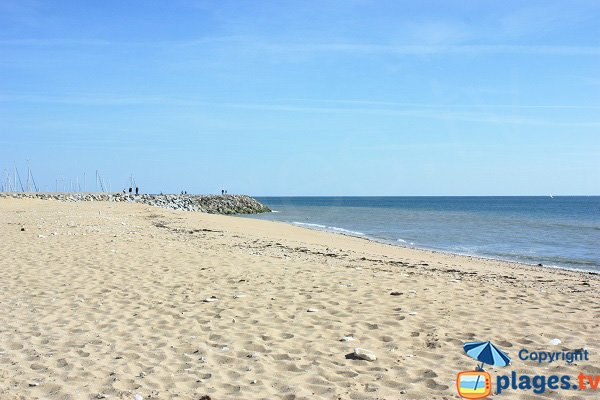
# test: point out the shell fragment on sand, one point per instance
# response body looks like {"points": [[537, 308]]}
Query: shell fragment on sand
{"points": [[211, 299], [347, 339], [363, 354]]}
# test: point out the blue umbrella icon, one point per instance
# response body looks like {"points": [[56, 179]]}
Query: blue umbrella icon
{"points": [[486, 353]]}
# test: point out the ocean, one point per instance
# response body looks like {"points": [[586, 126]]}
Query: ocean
{"points": [[558, 231]]}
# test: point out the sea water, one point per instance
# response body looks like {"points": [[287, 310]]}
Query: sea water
{"points": [[554, 231]]}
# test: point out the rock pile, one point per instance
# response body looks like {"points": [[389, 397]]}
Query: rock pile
{"points": [[227, 204]]}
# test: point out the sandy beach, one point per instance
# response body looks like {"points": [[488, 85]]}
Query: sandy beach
{"points": [[105, 300]]}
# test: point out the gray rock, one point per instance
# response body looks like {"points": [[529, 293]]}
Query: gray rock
{"points": [[228, 204], [364, 354]]}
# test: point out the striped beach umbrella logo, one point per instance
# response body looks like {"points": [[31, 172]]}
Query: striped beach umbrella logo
{"points": [[487, 353]]}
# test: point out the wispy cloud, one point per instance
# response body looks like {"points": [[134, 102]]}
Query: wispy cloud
{"points": [[110, 100], [434, 49], [450, 106], [41, 42], [291, 103], [481, 113], [324, 47], [539, 20]]}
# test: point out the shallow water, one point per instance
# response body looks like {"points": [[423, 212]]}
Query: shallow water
{"points": [[561, 231]]}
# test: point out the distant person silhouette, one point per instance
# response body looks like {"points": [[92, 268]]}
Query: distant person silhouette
{"points": [[130, 190], [137, 190]]}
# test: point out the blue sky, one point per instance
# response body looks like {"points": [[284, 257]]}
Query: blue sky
{"points": [[351, 97]]}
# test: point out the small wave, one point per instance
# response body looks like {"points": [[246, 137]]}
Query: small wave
{"points": [[329, 228], [346, 231], [311, 225], [401, 240], [274, 211]]}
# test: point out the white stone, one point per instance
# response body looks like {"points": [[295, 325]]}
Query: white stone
{"points": [[312, 310], [555, 342], [364, 354], [347, 339]]}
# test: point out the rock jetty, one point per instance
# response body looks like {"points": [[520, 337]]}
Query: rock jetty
{"points": [[226, 204]]}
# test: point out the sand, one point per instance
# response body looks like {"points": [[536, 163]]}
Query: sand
{"points": [[104, 300]]}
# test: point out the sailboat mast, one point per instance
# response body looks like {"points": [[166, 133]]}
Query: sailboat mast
{"points": [[28, 173]]}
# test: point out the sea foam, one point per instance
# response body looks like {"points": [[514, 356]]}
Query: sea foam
{"points": [[329, 228]]}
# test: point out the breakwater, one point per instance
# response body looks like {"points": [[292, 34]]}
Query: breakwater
{"points": [[212, 204]]}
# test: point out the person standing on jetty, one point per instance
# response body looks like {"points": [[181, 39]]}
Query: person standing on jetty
{"points": [[137, 190]]}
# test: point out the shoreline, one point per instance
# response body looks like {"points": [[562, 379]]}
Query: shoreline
{"points": [[345, 232]]}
